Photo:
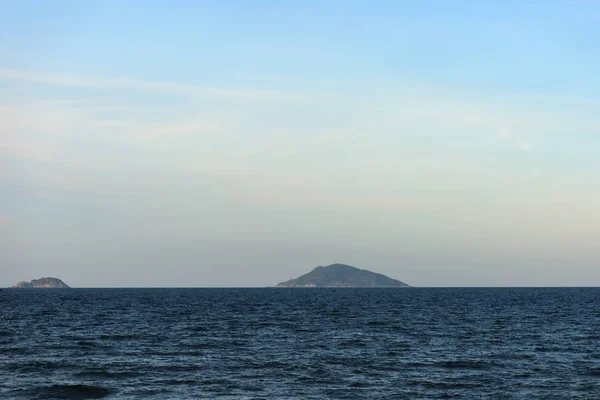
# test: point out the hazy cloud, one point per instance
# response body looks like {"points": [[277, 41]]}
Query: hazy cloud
{"points": [[122, 84], [525, 146], [6, 219]]}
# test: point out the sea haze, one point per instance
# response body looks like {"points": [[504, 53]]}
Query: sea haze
{"points": [[300, 343]]}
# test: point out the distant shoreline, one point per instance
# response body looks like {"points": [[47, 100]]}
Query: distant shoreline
{"points": [[283, 288]]}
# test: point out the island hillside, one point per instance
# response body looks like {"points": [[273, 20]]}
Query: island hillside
{"points": [[340, 275], [42, 283]]}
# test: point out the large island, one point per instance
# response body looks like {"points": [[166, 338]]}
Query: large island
{"points": [[341, 275], [42, 283]]}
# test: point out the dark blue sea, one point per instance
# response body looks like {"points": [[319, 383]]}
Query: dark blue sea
{"points": [[300, 343]]}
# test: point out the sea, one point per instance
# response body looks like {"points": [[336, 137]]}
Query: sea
{"points": [[313, 343]]}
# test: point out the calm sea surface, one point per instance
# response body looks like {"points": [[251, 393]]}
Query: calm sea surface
{"points": [[300, 343]]}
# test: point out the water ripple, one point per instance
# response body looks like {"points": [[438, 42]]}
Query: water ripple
{"points": [[304, 343]]}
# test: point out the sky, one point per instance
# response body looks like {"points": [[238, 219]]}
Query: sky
{"points": [[235, 143]]}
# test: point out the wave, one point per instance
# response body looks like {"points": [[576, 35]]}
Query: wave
{"points": [[71, 392], [6, 332], [107, 374], [463, 364], [117, 337]]}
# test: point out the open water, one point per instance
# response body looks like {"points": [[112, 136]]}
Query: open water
{"points": [[300, 343]]}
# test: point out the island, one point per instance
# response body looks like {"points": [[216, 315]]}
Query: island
{"points": [[42, 283], [341, 275]]}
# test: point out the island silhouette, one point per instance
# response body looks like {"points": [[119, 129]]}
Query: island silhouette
{"points": [[42, 283], [341, 275]]}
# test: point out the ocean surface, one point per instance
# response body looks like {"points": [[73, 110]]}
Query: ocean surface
{"points": [[300, 343]]}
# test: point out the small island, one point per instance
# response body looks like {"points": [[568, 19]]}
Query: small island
{"points": [[341, 275], [42, 283]]}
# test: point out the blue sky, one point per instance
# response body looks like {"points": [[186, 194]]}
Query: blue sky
{"points": [[244, 143]]}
